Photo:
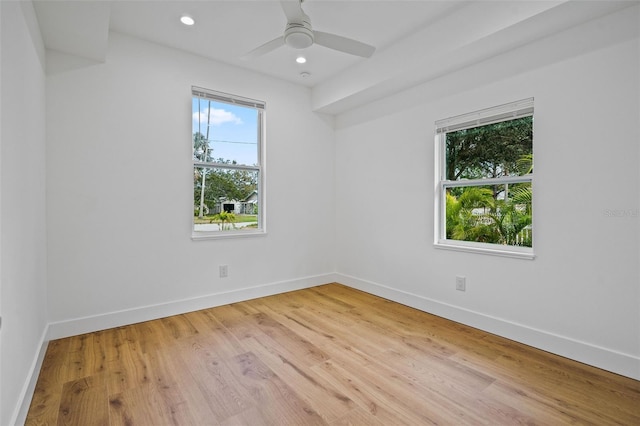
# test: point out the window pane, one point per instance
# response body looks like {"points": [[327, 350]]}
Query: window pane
{"points": [[495, 214], [225, 200], [490, 151], [224, 133]]}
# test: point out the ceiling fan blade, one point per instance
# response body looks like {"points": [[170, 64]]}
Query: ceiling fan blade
{"points": [[343, 44], [293, 10], [265, 48]]}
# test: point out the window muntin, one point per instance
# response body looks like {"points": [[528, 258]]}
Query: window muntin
{"points": [[484, 181], [228, 170]]}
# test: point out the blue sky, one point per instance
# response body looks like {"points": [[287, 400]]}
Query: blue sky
{"points": [[233, 129]]}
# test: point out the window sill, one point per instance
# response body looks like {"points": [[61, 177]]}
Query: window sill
{"points": [[490, 249], [197, 236]]}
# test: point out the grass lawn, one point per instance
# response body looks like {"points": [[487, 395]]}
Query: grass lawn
{"points": [[239, 218]]}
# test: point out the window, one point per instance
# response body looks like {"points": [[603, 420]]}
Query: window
{"points": [[228, 164], [484, 178]]}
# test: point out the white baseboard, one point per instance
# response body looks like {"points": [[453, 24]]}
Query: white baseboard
{"points": [[104, 321], [26, 395], [606, 359]]}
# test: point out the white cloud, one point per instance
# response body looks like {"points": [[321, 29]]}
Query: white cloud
{"points": [[216, 117]]}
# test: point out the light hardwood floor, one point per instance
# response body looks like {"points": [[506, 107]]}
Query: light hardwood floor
{"points": [[325, 355]]}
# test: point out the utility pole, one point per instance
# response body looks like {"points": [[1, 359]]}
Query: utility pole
{"points": [[204, 175], [206, 157]]}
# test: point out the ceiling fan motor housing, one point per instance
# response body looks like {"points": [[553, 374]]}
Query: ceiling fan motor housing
{"points": [[298, 35]]}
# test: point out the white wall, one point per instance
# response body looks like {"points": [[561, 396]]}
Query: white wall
{"points": [[119, 190], [22, 203], [581, 296]]}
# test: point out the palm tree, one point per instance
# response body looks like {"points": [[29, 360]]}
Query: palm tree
{"points": [[201, 149], [509, 220], [224, 217], [466, 215], [475, 215]]}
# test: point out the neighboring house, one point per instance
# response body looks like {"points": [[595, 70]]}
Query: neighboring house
{"points": [[247, 206], [250, 204]]}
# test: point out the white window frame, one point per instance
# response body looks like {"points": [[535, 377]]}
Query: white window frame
{"points": [[510, 111], [260, 168]]}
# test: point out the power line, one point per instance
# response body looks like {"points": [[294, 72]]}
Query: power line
{"points": [[235, 142]]}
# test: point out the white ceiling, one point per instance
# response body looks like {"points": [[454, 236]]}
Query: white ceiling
{"points": [[416, 40]]}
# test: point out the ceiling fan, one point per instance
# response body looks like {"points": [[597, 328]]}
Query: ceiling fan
{"points": [[299, 34]]}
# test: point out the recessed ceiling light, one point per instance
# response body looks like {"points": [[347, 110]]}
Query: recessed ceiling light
{"points": [[187, 20], [305, 74], [301, 59]]}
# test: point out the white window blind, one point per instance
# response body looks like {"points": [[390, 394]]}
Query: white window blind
{"points": [[510, 111], [224, 97]]}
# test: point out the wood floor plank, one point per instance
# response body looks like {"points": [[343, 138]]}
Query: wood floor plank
{"points": [[302, 348], [595, 401], [357, 417], [48, 391], [309, 299], [439, 372], [375, 399], [424, 398], [328, 355], [237, 318], [86, 355], [177, 380], [213, 338], [265, 387], [143, 405], [179, 326], [127, 367], [519, 405], [355, 339], [84, 402], [148, 336], [209, 377], [321, 395]]}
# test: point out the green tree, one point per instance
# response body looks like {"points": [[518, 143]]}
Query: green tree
{"points": [[490, 151], [238, 184], [222, 185]]}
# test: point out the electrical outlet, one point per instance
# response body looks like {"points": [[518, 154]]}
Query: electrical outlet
{"points": [[224, 271], [461, 283]]}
